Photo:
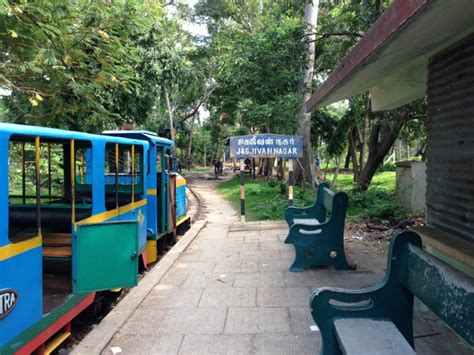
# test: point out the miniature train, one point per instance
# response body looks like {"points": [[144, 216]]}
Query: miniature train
{"points": [[80, 213]]}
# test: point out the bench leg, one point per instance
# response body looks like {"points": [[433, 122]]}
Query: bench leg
{"points": [[340, 263], [298, 264]]}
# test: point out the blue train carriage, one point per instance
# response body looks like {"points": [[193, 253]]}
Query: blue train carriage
{"points": [[73, 214], [161, 189], [183, 221]]}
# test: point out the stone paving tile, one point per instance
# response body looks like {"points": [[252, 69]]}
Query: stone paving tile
{"points": [[287, 344], [175, 277], [257, 320], [255, 238], [273, 265], [236, 266], [143, 321], [243, 233], [193, 321], [190, 256], [240, 247], [211, 255], [146, 344], [228, 297], [217, 344], [190, 268], [274, 245], [306, 278], [287, 253], [206, 279], [262, 279], [232, 240], [257, 254], [172, 297], [283, 296], [204, 243], [301, 320]]}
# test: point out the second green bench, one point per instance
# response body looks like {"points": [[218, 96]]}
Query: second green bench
{"points": [[317, 231]]}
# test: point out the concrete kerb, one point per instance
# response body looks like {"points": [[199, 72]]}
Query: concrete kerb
{"points": [[96, 341]]}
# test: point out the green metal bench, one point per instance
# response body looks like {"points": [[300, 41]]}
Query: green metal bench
{"points": [[379, 318], [317, 231]]}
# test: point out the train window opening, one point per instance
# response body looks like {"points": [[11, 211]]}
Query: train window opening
{"points": [[159, 167], [123, 174], [50, 197], [24, 197], [82, 183], [52, 173]]}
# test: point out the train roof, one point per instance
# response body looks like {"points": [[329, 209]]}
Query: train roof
{"points": [[141, 134], [9, 129]]}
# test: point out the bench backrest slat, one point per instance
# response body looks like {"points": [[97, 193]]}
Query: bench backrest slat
{"points": [[328, 197], [446, 291]]}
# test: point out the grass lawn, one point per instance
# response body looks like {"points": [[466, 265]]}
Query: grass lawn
{"points": [[197, 169], [267, 200]]}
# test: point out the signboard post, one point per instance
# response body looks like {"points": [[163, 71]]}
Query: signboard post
{"points": [[242, 190], [265, 146]]}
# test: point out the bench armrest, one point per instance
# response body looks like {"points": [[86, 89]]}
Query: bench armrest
{"points": [[299, 212]]}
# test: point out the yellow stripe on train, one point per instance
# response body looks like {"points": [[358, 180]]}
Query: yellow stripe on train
{"points": [[10, 250], [101, 217], [180, 181]]}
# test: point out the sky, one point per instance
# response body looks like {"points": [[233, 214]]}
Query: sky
{"points": [[194, 28]]}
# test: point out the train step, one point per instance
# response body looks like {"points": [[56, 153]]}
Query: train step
{"points": [[53, 343]]}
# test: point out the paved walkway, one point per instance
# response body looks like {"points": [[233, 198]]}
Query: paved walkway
{"points": [[230, 292]]}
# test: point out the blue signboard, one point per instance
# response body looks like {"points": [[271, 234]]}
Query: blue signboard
{"points": [[266, 146]]}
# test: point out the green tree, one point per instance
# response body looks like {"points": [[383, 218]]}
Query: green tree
{"points": [[258, 52], [92, 65]]}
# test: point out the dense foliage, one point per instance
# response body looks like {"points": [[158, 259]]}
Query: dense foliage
{"points": [[95, 65], [258, 51], [89, 65]]}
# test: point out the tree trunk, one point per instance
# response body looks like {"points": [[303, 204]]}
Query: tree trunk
{"points": [[190, 143], [336, 172], [347, 161], [352, 150], [304, 117], [363, 136], [170, 114], [377, 151]]}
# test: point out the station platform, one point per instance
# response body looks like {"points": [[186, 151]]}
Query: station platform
{"points": [[225, 288]]}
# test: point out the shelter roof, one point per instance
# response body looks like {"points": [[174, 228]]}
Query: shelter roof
{"points": [[391, 59]]}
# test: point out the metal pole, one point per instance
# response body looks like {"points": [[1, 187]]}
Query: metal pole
{"points": [[49, 172], [117, 177], [38, 183], [72, 167], [23, 172], [242, 190], [133, 173], [253, 168], [291, 182]]}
